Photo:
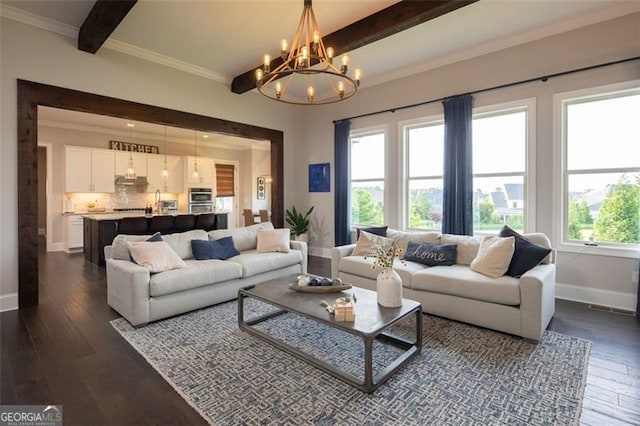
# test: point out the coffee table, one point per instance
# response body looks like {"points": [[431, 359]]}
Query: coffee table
{"points": [[370, 324]]}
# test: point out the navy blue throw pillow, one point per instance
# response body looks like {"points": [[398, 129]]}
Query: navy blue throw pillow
{"points": [[219, 249], [431, 254], [155, 238], [526, 254], [376, 230]]}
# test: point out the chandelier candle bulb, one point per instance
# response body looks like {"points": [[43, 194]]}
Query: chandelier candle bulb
{"points": [[340, 89], [310, 93], [356, 75], [330, 54], [259, 74]]}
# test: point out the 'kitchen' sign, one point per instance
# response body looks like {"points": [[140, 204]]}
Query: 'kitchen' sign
{"points": [[135, 147]]}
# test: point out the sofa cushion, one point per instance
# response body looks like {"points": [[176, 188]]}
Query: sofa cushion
{"points": [[270, 240], [243, 238], [120, 248], [376, 230], [431, 254], [494, 256], [460, 280], [358, 265], [526, 255], [367, 244], [467, 247], [198, 273], [254, 263], [180, 242], [219, 249], [403, 238], [154, 256]]}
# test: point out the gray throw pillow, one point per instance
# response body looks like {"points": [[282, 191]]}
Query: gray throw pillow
{"points": [[431, 254]]}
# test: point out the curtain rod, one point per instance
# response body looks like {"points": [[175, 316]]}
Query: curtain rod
{"points": [[543, 78]]}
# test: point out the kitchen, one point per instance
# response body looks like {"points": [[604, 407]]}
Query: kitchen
{"points": [[180, 173]]}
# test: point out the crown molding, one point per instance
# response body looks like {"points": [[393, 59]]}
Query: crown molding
{"points": [[167, 61], [507, 42], [38, 21]]}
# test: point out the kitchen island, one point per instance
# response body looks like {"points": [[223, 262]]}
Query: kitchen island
{"points": [[100, 229]]}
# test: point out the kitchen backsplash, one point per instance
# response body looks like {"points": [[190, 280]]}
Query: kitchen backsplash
{"points": [[124, 197]]}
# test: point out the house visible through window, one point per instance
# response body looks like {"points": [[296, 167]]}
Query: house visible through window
{"points": [[601, 147], [367, 178]]}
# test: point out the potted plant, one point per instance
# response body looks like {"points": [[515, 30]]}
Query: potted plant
{"points": [[299, 223]]}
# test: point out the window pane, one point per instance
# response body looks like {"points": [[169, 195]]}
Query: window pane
{"points": [[367, 156], [498, 201], [605, 206], [425, 204], [599, 131], [426, 150], [499, 143], [367, 203]]}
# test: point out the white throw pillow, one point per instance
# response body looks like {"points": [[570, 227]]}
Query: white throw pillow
{"points": [[402, 238], [494, 256], [368, 242], [243, 238], [270, 240], [155, 256], [467, 247]]}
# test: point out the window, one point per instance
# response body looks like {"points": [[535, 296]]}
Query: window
{"points": [[600, 134], [367, 178], [424, 153], [500, 169]]}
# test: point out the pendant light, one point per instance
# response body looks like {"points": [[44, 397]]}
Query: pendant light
{"points": [[195, 175], [165, 171], [131, 173]]}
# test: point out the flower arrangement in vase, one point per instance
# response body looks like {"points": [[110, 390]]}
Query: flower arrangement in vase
{"points": [[389, 283]]}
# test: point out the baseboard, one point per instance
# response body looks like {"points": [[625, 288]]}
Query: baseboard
{"points": [[57, 246], [320, 251], [9, 302], [597, 296]]}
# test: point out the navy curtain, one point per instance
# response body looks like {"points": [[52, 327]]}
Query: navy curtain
{"points": [[457, 203], [342, 165], [638, 304]]}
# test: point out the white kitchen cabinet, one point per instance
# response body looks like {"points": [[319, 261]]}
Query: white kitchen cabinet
{"points": [[206, 171], [155, 166], [73, 233], [139, 163], [89, 170]]}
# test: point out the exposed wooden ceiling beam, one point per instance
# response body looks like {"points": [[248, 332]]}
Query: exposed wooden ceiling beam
{"points": [[104, 18], [395, 18]]}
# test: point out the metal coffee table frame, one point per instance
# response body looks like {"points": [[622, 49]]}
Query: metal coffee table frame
{"points": [[371, 322]]}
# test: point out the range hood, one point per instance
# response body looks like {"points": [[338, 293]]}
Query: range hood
{"points": [[137, 181]]}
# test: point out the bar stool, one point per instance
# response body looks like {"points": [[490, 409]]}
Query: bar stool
{"points": [[205, 221], [184, 222], [133, 225], [162, 224]]}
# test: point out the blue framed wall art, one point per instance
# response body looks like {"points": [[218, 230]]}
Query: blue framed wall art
{"points": [[319, 177]]}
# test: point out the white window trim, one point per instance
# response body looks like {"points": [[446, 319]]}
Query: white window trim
{"points": [[529, 106], [403, 201], [559, 176], [366, 131]]}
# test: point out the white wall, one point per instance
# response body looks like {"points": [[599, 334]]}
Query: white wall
{"points": [[33, 54], [598, 279]]}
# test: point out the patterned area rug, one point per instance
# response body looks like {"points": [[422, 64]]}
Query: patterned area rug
{"points": [[464, 375]]}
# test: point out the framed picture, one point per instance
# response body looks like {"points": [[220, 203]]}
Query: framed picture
{"points": [[319, 177], [261, 189]]}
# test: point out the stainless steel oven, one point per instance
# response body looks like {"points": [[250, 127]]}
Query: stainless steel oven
{"points": [[200, 200]]}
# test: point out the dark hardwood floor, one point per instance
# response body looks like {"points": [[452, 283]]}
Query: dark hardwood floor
{"points": [[65, 352]]}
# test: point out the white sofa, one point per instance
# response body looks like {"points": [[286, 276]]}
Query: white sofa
{"points": [[522, 307], [142, 297]]}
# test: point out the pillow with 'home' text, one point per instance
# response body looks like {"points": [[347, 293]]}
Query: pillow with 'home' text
{"points": [[431, 254]]}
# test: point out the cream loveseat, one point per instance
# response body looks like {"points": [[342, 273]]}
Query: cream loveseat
{"points": [[522, 306], [142, 297]]}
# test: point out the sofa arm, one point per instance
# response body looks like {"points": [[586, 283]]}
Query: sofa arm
{"points": [[302, 246], [128, 290], [537, 300], [338, 253]]}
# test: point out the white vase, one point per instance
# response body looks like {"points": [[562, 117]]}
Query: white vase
{"points": [[389, 288]]}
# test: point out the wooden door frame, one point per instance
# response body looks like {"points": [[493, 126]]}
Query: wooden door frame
{"points": [[32, 94]]}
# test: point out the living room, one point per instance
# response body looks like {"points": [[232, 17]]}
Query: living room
{"points": [[586, 274]]}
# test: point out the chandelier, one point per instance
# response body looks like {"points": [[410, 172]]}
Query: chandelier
{"points": [[307, 75]]}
